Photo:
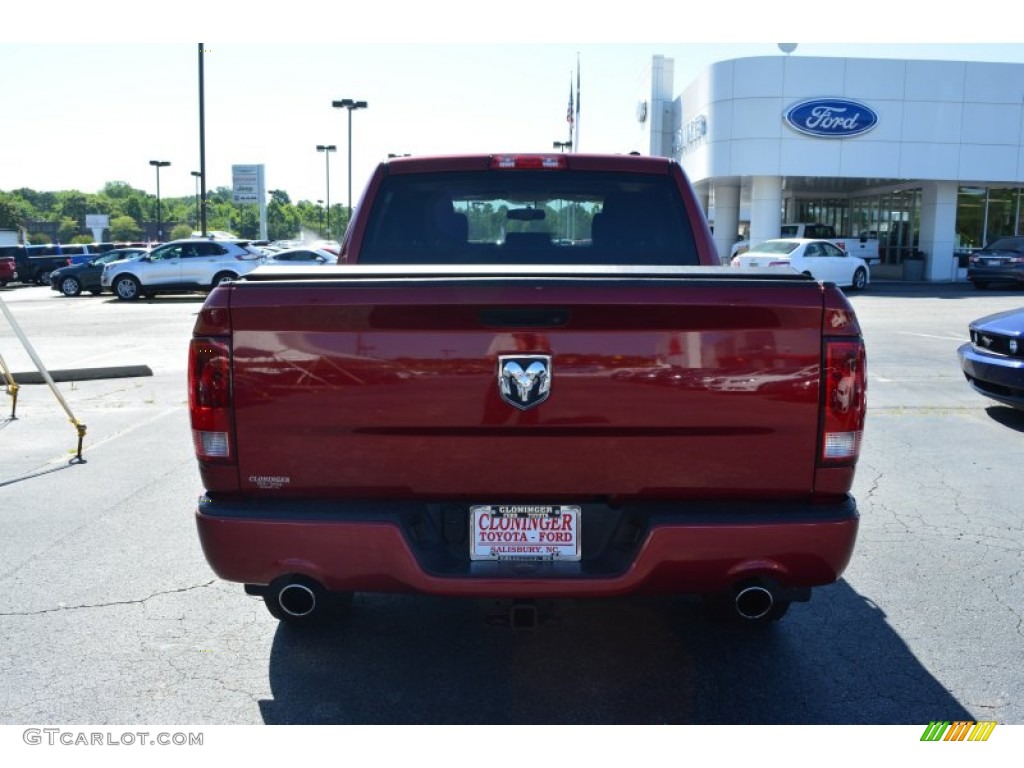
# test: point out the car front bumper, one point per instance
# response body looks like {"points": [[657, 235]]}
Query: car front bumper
{"points": [[997, 377], [642, 548]]}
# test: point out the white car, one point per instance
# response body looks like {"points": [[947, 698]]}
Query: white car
{"points": [[818, 258], [180, 266], [302, 257]]}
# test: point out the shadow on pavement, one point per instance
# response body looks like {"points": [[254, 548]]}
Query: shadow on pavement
{"points": [[932, 290], [30, 475], [423, 660], [1008, 417]]}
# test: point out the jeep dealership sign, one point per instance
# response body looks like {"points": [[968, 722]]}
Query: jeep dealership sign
{"points": [[831, 118]]}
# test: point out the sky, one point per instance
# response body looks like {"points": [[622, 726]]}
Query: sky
{"points": [[85, 100]]}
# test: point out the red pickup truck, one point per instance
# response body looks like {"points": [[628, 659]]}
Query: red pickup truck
{"points": [[527, 378]]}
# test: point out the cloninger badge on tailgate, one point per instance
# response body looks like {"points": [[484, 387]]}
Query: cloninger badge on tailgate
{"points": [[524, 380]]}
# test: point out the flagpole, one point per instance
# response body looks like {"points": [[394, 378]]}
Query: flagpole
{"points": [[576, 122]]}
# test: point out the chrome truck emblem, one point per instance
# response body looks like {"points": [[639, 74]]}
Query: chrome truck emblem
{"points": [[524, 380]]}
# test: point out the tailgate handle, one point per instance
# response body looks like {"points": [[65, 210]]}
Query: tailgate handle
{"points": [[525, 317]]}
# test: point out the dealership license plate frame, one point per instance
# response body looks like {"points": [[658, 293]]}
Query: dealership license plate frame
{"points": [[532, 521]]}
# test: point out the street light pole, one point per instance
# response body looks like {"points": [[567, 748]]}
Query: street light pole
{"points": [[351, 105], [327, 149], [197, 175], [320, 206], [562, 145], [158, 164]]}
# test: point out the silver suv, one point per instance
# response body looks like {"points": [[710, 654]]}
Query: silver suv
{"points": [[180, 266]]}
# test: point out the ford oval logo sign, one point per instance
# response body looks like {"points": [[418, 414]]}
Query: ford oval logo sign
{"points": [[831, 118]]}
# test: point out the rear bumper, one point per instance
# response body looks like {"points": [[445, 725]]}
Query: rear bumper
{"points": [[996, 274], [646, 548]]}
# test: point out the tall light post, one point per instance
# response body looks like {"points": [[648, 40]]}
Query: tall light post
{"points": [[320, 205], [351, 105], [158, 164], [327, 149], [563, 145], [197, 175]]}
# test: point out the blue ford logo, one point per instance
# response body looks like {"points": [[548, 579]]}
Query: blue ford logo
{"points": [[831, 118]]}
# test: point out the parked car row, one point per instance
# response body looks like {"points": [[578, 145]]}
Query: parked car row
{"points": [[74, 279], [180, 266], [186, 265], [34, 263], [131, 272]]}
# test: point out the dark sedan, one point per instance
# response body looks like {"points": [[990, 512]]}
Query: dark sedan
{"points": [[1001, 261], [993, 360], [71, 281]]}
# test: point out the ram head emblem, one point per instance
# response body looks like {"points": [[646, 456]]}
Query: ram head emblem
{"points": [[524, 380]]}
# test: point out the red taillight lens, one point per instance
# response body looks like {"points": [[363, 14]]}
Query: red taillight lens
{"points": [[209, 397], [529, 161], [845, 401]]}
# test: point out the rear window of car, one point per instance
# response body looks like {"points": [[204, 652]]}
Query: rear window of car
{"points": [[1007, 244], [528, 217], [774, 246]]}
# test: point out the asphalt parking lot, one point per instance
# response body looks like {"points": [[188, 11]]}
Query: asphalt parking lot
{"points": [[109, 614]]}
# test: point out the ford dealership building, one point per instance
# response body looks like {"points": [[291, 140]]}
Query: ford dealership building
{"points": [[927, 156]]}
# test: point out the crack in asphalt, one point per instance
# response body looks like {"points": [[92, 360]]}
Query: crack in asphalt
{"points": [[140, 601]]}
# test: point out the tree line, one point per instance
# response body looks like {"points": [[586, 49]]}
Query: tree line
{"points": [[133, 215]]}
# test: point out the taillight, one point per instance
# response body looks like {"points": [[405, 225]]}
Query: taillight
{"points": [[209, 397], [845, 401]]}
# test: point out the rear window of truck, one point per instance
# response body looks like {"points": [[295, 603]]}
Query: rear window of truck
{"points": [[528, 217]]}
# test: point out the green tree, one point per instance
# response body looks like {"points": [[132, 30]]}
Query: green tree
{"points": [[125, 229], [181, 231], [67, 228], [72, 205], [283, 221], [133, 206], [118, 190], [9, 217]]}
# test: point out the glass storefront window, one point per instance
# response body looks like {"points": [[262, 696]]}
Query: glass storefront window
{"points": [[1001, 218], [970, 218]]}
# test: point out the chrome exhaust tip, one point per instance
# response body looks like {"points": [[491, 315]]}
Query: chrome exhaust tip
{"points": [[297, 599], [753, 602]]}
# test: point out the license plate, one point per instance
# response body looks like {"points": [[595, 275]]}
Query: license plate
{"points": [[755, 263], [524, 532]]}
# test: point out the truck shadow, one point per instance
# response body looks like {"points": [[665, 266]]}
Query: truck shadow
{"points": [[421, 660]]}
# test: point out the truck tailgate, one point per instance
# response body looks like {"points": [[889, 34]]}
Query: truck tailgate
{"points": [[659, 388]]}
